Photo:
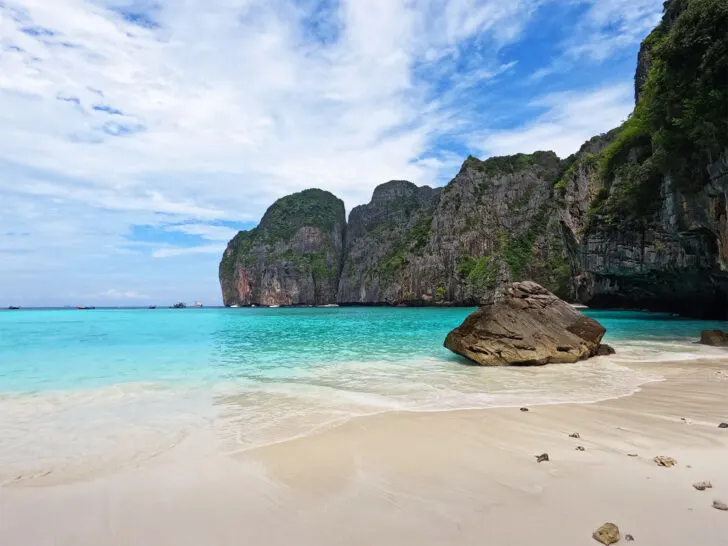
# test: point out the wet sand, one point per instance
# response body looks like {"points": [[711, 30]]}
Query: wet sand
{"points": [[458, 477]]}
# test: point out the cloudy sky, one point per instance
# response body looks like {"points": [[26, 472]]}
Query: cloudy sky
{"points": [[137, 136]]}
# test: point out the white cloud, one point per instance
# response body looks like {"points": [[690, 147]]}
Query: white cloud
{"points": [[115, 294], [570, 120], [206, 231], [225, 107], [172, 251]]}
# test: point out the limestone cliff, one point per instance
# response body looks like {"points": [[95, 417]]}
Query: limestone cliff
{"points": [[494, 222], [292, 258], [648, 211], [638, 217], [382, 238]]}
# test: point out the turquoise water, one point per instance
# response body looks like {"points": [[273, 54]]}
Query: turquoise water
{"points": [[70, 349], [82, 390]]}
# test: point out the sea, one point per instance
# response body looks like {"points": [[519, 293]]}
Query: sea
{"points": [[83, 390]]}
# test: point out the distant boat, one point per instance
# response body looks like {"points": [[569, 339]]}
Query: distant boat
{"points": [[84, 308], [179, 305], [152, 307], [274, 306], [235, 306], [13, 308], [197, 304]]}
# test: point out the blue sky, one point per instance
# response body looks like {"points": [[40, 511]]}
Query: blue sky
{"points": [[137, 136]]}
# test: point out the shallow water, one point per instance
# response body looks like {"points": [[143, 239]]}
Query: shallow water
{"points": [[105, 387]]}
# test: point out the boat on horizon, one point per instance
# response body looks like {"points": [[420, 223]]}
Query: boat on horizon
{"points": [[152, 307], [13, 308], [179, 305], [84, 307]]}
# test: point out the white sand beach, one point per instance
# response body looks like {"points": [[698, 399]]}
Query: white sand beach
{"points": [[459, 477]]}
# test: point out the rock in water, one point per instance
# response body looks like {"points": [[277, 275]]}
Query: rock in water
{"points": [[607, 534], [715, 338], [719, 505], [525, 324]]}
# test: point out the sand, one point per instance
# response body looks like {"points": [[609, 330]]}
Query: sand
{"points": [[459, 477]]}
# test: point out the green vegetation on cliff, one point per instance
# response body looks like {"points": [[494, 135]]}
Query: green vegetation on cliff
{"points": [[680, 123], [313, 208]]}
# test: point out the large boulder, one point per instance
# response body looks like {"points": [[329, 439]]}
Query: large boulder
{"points": [[526, 325], [716, 338]]}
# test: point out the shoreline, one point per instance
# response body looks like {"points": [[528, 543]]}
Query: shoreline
{"points": [[432, 477]]}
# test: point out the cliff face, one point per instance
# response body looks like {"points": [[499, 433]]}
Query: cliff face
{"points": [[292, 258], [638, 217], [382, 239], [494, 222], [648, 212]]}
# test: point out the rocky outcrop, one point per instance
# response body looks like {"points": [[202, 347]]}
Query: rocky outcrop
{"points": [[716, 338], [382, 239], [637, 218], [526, 325], [495, 222], [292, 258]]}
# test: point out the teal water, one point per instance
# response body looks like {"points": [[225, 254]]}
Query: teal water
{"points": [[70, 349], [99, 387]]}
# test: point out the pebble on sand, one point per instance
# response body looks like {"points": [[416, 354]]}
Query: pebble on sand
{"points": [[667, 462], [544, 457], [632, 455], [525, 409], [580, 448], [574, 435], [629, 538], [723, 425], [720, 505], [607, 534], [702, 486]]}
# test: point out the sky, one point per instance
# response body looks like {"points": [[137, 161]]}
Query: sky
{"points": [[138, 136]]}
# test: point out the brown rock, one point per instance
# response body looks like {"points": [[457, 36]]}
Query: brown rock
{"points": [[524, 409], [629, 538], [525, 324], [702, 486], [632, 455], [716, 338], [574, 435], [605, 350], [580, 448], [667, 462], [607, 534], [723, 425], [544, 457], [720, 505]]}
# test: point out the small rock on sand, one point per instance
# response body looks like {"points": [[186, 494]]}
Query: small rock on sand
{"points": [[632, 455], [580, 448], [544, 457], [667, 462], [723, 425], [574, 435], [629, 538], [607, 534], [702, 486], [720, 505], [525, 409]]}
